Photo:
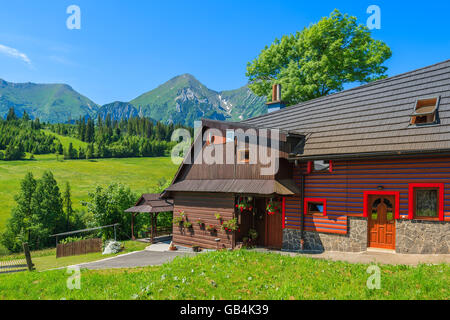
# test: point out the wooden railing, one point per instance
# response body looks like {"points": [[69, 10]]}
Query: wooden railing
{"points": [[160, 231], [18, 265], [79, 248]]}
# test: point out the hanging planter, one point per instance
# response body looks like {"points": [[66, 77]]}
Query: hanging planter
{"points": [[273, 207], [244, 205]]}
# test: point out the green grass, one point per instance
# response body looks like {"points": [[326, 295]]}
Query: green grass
{"points": [[66, 140], [141, 174], [46, 259], [235, 275]]}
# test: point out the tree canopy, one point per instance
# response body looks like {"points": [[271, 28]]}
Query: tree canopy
{"points": [[319, 60]]}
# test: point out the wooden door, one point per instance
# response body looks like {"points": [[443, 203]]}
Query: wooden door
{"points": [[274, 230], [381, 232]]}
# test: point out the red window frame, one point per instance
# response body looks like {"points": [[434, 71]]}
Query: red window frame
{"points": [[396, 194], [309, 168], [439, 186], [308, 200]]}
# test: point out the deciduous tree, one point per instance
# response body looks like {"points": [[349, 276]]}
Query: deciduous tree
{"points": [[319, 60]]}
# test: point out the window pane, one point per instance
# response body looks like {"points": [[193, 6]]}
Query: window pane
{"points": [[321, 165], [426, 203], [390, 210], [315, 207]]}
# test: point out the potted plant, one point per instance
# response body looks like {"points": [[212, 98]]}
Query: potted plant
{"points": [[201, 224], [230, 225], [211, 228], [187, 225], [178, 221], [273, 207], [172, 247]]}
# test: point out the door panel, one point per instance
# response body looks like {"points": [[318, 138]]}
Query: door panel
{"points": [[274, 228], [381, 233]]}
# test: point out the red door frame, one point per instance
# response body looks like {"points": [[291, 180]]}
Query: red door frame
{"points": [[396, 194]]}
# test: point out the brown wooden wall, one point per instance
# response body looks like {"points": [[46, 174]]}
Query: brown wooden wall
{"points": [[344, 187], [203, 206], [196, 171]]}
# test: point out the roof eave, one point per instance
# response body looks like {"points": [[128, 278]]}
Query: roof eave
{"points": [[370, 155]]}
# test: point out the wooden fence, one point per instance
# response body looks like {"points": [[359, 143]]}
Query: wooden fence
{"points": [[13, 266], [79, 248], [18, 265]]}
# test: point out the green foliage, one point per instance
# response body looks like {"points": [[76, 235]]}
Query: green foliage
{"points": [[319, 60], [37, 215], [83, 175], [67, 204], [71, 239], [133, 137], [230, 225], [107, 205], [20, 136]]}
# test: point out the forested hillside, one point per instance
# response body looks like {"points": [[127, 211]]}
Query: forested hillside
{"points": [[133, 137]]}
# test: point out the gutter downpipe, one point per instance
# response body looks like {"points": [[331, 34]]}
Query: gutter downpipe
{"points": [[302, 224]]}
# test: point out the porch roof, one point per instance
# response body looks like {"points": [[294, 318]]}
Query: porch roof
{"points": [[151, 203], [285, 187]]}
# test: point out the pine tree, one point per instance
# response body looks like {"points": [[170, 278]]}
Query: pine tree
{"points": [[67, 203], [11, 115]]}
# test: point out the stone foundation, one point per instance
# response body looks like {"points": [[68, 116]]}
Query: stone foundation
{"points": [[354, 241], [423, 237]]}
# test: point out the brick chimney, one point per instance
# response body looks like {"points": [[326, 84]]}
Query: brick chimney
{"points": [[277, 103]]}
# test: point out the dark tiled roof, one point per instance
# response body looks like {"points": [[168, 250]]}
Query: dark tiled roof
{"points": [[373, 118], [152, 202]]}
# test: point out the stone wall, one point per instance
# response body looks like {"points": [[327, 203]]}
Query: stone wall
{"points": [[354, 241], [424, 237]]}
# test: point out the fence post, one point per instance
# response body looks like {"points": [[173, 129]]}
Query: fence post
{"points": [[26, 250]]}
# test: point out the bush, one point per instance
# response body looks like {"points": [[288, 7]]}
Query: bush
{"points": [[3, 251]]}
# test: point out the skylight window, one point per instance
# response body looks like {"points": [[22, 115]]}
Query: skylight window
{"points": [[425, 111]]}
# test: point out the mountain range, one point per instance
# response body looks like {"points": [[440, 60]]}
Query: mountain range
{"points": [[181, 100]]}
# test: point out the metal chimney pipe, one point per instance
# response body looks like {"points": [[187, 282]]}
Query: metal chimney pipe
{"points": [[276, 92]]}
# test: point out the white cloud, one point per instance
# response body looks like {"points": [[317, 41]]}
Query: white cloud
{"points": [[14, 53]]}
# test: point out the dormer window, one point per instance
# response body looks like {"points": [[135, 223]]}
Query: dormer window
{"points": [[320, 166], [243, 156], [425, 111]]}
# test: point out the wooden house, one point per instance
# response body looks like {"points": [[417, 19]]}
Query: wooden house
{"points": [[364, 168]]}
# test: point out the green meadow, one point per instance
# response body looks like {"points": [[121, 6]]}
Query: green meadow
{"points": [[65, 140], [140, 174], [238, 275]]}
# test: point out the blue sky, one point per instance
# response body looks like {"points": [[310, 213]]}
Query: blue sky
{"points": [[125, 48]]}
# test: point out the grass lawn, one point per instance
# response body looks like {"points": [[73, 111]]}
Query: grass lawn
{"points": [[141, 174], [235, 275], [46, 259], [65, 141]]}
